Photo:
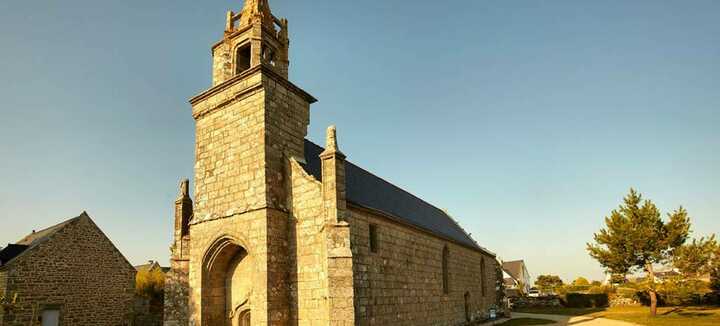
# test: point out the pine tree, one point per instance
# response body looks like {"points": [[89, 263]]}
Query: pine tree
{"points": [[636, 238], [696, 258]]}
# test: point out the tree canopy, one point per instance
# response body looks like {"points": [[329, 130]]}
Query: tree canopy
{"points": [[548, 283], [581, 281], [696, 258], [635, 237], [150, 284]]}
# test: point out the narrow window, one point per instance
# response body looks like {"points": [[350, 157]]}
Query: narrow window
{"points": [[242, 59], [373, 238], [482, 276], [445, 270]]}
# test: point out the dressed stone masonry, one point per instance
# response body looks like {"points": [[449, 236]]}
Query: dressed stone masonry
{"points": [[285, 232]]}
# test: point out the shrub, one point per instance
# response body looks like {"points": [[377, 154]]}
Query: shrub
{"points": [[580, 300], [150, 284], [679, 291], [626, 292], [644, 298]]}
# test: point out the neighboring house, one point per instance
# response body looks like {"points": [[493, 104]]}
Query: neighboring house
{"points": [[67, 274], [516, 278], [151, 266], [286, 232]]}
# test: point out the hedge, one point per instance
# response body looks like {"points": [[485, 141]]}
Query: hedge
{"points": [[581, 300]]}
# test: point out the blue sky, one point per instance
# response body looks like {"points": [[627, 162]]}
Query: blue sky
{"points": [[527, 120]]}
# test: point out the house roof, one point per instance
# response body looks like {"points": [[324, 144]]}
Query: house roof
{"points": [[151, 265], [31, 240], [370, 191], [514, 268], [34, 239]]}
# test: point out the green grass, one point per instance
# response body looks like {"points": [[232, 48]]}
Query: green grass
{"points": [[696, 316], [526, 321], [667, 316], [560, 311]]}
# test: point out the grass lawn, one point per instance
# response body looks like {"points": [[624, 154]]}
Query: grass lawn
{"points": [[526, 321], [667, 316]]}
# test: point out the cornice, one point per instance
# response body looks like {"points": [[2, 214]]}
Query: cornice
{"points": [[266, 71]]}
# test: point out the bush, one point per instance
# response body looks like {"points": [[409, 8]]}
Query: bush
{"points": [[712, 298], [644, 298], [150, 284], [678, 291], [626, 292], [580, 300]]}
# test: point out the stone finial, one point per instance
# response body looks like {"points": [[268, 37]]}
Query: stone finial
{"points": [[184, 189], [331, 138], [229, 21], [331, 144], [257, 8]]}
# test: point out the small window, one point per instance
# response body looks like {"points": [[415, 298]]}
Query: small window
{"points": [[373, 238], [445, 270], [50, 317], [242, 59]]}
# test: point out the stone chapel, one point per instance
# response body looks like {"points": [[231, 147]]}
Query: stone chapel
{"points": [[282, 231]]}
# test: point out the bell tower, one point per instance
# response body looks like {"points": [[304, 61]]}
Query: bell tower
{"points": [[248, 125], [252, 37]]}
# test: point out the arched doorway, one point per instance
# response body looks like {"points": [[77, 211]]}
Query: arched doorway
{"points": [[243, 319], [227, 281]]}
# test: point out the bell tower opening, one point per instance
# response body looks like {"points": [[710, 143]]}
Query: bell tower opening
{"points": [[242, 58]]}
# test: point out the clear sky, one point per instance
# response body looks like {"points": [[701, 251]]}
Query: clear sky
{"points": [[527, 120]]}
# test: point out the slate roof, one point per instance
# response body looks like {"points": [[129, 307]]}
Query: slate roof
{"points": [[33, 239], [10, 252], [370, 191]]}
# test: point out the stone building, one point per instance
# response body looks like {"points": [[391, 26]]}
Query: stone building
{"points": [[67, 274], [285, 232]]}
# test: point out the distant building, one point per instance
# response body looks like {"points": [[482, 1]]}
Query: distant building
{"points": [[151, 266], [67, 274], [516, 278]]}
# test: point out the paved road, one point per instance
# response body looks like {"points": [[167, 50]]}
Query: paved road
{"points": [[574, 320]]}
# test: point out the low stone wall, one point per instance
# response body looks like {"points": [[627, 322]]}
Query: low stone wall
{"points": [[530, 302]]}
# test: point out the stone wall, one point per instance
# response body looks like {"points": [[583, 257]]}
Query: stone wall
{"points": [[77, 270], [230, 151], [402, 283], [308, 289], [3, 293], [175, 312]]}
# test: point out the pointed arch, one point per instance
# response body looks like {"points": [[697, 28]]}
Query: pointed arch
{"points": [[227, 280]]}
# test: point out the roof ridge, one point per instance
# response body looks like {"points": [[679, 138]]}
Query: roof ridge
{"points": [[390, 183], [33, 243], [51, 229]]}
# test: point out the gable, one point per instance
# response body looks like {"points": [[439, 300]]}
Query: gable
{"points": [[370, 191], [514, 268], [47, 240]]}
